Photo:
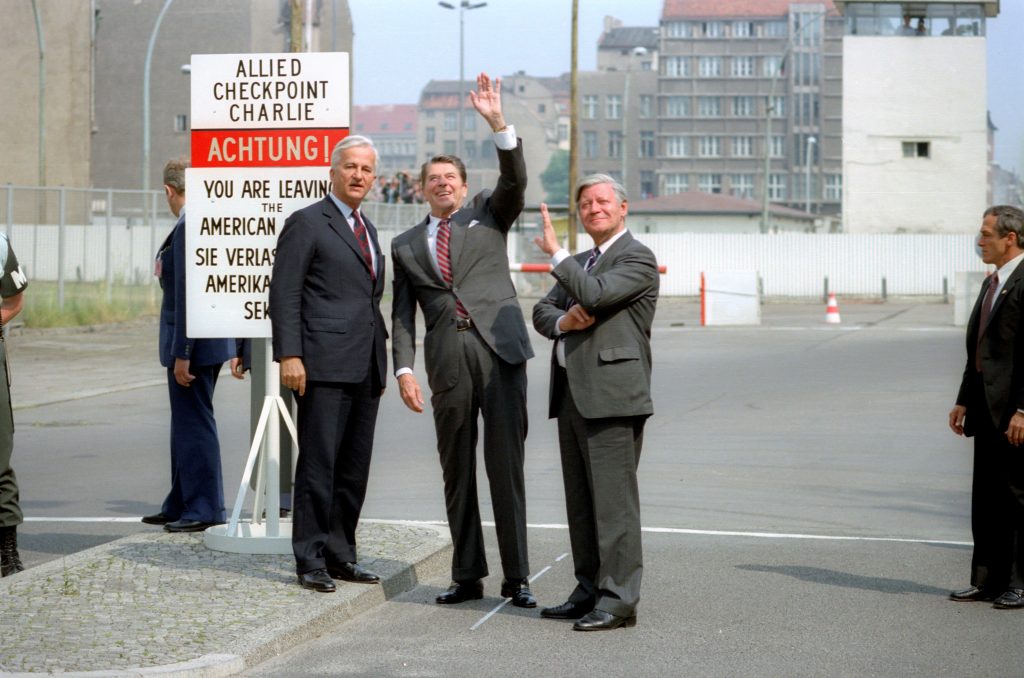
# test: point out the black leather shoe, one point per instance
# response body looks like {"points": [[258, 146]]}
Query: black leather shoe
{"points": [[519, 591], [461, 591], [972, 594], [599, 620], [352, 572], [567, 610], [1011, 600], [185, 525], [157, 519], [317, 580]]}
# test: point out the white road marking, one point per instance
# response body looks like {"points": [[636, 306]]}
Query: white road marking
{"points": [[505, 601]]}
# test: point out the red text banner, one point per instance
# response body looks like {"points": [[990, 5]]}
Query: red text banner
{"points": [[265, 147]]}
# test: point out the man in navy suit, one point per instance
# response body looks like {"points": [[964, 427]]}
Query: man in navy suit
{"points": [[196, 499], [330, 339]]}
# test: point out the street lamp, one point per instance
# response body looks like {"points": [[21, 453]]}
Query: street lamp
{"points": [[635, 52], [145, 95], [811, 140], [463, 6], [769, 108]]}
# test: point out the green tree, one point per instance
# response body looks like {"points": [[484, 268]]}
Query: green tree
{"points": [[555, 178]]}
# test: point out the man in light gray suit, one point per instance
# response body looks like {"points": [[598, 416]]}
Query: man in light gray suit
{"points": [[454, 265], [599, 315]]}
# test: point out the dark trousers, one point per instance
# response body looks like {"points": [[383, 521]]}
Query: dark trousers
{"points": [[10, 510], [997, 503], [602, 501], [335, 427], [490, 388], [197, 488]]}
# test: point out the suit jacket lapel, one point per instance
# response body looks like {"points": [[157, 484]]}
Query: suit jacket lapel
{"points": [[339, 224], [422, 253], [1003, 293], [607, 257]]}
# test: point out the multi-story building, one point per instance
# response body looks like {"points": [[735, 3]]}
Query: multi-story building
{"points": [[393, 130], [744, 86], [617, 112], [535, 106], [916, 135]]}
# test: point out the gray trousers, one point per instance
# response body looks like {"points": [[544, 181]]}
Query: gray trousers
{"points": [[490, 388], [10, 511], [602, 501]]}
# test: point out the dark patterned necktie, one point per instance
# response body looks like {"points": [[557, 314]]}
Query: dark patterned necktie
{"points": [[359, 229], [986, 310], [591, 260], [444, 261]]}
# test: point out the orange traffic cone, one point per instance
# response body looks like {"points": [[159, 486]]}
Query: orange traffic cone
{"points": [[832, 311]]}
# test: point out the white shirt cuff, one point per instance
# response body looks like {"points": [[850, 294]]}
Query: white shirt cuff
{"points": [[506, 138], [402, 370], [558, 326], [559, 256]]}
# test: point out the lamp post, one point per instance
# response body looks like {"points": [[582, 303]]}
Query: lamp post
{"points": [[635, 52], [811, 141], [769, 108], [463, 6], [145, 95]]}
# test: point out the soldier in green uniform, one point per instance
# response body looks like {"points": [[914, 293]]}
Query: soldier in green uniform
{"points": [[12, 284]]}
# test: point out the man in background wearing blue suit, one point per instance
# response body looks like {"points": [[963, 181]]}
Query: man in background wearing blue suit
{"points": [[196, 499]]}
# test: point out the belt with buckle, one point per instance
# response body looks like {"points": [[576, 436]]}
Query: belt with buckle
{"points": [[463, 324]]}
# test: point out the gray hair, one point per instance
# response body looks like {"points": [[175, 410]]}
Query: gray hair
{"points": [[352, 141], [1009, 219], [596, 179], [174, 174]]}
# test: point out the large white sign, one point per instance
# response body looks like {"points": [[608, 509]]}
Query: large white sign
{"points": [[263, 126]]}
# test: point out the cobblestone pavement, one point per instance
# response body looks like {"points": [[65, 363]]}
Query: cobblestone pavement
{"points": [[153, 600]]}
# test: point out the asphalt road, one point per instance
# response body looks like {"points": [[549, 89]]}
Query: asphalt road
{"points": [[807, 510]]}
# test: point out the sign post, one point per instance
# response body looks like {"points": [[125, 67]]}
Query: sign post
{"points": [[263, 127]]}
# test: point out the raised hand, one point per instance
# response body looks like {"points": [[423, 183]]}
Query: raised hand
{"points": [[487, 101], [548, 241]]}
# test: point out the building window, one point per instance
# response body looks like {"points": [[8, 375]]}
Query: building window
{"points": [[778, 107], [676, 146], [777, 187], [710, 147], [709, 66], [917, 149], [430, 135], [742, 29], [743, 66], [676, 67], [646, 105], [833, 187], [590, 144], [469, 120], [646, 144], [470, 148], [742, 147], [646, 184], [742, 185], [677, 107], [613, 106], [743, 107], [714, 29], [615, 144], [451, 121], [772, 66], [709, 183], [678, 29], [778, 149], [676, 183], [541, 108], [776, 29], [449, 147], [181, 122], [563, 131], [590, 107], [709, 107]]}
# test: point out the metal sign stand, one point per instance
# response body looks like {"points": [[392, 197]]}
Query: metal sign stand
{"points": [[272, 535]]}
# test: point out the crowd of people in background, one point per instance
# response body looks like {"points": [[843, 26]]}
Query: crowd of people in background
{"points": [[400, 188]]}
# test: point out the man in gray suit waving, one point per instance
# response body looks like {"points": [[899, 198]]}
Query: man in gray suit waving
{"points": [[599, 314], [454, 264]]}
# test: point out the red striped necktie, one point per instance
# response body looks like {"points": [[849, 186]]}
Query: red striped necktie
{"points": [[364, 241], [444, 261]]}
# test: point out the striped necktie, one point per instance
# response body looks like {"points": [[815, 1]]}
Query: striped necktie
{"points": [[359, 229], [591, 260], [444, 261]]}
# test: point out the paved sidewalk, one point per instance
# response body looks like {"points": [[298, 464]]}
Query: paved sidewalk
{"points": [[162, 604]]}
